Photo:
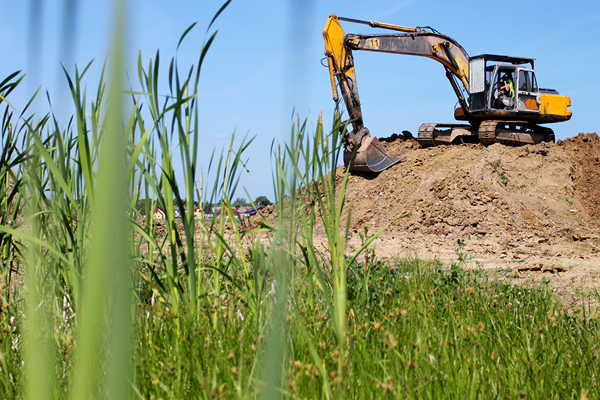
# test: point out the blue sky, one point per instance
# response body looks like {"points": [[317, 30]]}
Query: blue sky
{"points": [[266, 61]]}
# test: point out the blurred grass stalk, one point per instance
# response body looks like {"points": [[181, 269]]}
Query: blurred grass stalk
{"points": [[305, 184], [106, 308], [39, 362]]}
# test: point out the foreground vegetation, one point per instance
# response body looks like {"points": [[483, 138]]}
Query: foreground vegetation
{"points": [[96, 303]]}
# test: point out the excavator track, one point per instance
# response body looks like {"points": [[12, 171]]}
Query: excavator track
{"points": [[515, 133], [439, 134], [487, 132], [425, 137]]}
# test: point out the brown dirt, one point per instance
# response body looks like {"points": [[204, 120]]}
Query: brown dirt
{"points": [[524, 213]]}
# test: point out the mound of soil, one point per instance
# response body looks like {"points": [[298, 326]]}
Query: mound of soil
{"points": [[526, 212]]}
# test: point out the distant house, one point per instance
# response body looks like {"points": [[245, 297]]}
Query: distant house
{"points": [[176, 212], [159, 213]]}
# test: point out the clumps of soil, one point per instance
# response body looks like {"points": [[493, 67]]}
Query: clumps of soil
{"points": [[160, 228], [585, 151], [521, 210]]}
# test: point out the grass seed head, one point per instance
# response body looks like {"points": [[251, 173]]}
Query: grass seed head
{"points": [[390, 340]]}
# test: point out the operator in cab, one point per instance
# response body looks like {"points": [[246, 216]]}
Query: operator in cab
{"points": [[505, 93]]}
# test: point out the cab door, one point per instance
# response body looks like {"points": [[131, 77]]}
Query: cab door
{"points": [[528, 95], [497, 99]]}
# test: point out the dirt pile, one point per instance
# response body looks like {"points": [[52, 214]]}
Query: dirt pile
{"points": [[519, 210]]}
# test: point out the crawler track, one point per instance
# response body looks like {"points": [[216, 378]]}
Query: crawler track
{"points": [[438, 134], [515, 133]]}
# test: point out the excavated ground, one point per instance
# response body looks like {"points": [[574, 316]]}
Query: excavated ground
{"points": [[524, 213]]}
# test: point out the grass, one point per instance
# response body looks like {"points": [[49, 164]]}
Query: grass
{"points": [[499, 169], [414, 331], [218, 310]]}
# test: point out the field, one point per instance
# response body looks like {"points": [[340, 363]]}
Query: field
{"points": [[422, 282]]}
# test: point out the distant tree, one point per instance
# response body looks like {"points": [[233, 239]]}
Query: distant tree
{"points": [[240, 202], [262, 200], [141, 205]]}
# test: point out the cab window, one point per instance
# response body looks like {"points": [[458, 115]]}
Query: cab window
{"points": [[527, 82]]}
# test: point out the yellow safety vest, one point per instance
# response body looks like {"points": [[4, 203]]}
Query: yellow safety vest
{"points": [[512, 88]]}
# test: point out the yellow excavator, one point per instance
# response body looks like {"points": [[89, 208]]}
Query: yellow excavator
{"points": [[497, 95]]}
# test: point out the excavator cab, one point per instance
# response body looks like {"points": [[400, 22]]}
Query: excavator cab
{"points": [[502, 90], [523, 96], [490, 77], [526, 101]]}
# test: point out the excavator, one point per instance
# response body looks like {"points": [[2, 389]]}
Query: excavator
{"points": [[497, 95]]}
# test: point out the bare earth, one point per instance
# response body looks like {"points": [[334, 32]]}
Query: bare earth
{"points": [[525, 213]]}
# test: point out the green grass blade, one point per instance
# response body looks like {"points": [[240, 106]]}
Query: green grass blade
{"points": [[107, 288]]}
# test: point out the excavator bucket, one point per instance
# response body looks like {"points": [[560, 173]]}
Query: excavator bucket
{"points": [[371, 156]]}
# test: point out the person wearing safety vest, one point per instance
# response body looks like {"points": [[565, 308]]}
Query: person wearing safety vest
{"points": [[507, 88]]}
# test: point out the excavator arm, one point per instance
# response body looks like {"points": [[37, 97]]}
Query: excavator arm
{"points": [[426, 44], [364, 152]]}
